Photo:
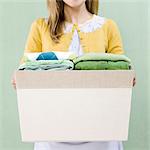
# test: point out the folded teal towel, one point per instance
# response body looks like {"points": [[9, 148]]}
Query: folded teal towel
{"points": [[47, 56]]}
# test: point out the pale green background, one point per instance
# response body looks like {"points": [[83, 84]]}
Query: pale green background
{"points": [[132, 19]]}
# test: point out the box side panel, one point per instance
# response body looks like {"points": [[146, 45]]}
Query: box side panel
{"points": [[74, 79], [74, 114]]}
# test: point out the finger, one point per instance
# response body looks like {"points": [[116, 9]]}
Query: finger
{"points": [[14, 86], [134, 82], [13, 81]]}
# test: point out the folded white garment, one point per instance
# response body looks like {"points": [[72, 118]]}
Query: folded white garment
{"points": [[60, 55]]}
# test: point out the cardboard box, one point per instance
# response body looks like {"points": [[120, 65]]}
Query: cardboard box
{"points": [[74, 105]]}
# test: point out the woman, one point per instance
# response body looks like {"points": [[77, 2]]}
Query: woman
{"points": [[73, 25]]}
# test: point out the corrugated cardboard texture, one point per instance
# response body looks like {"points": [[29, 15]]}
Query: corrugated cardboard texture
{"points": [[74, 79]]}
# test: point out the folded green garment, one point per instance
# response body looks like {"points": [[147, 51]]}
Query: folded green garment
{"points": [[122, 65], [101, 57], [47, 65], [102, 65], [91, 65]]}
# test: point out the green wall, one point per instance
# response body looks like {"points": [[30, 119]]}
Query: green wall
{"points": [[132, 19]]}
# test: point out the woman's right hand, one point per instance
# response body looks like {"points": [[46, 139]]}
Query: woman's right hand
{"points": [[13, 81]]}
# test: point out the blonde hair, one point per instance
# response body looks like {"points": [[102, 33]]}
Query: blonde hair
{"points": [[56, 16]]}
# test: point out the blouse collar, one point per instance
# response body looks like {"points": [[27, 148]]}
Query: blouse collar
{"points": [[81, 24], [90, 25]]}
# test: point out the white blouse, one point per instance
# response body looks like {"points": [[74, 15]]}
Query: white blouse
{"points": [[88, 26], [75, 46]]}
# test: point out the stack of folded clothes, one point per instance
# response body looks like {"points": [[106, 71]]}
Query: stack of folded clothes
{"points": [[70, 61], [47, 65], [102, 61], [48, 61]]}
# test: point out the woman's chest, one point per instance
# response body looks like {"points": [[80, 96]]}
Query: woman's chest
{"points": [[88, 42], [89, 37]]}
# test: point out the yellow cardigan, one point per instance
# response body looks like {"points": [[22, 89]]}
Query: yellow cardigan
{"points": [[106, 38]]}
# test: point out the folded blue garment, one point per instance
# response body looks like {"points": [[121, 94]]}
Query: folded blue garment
{"points": [[47, 56]]}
